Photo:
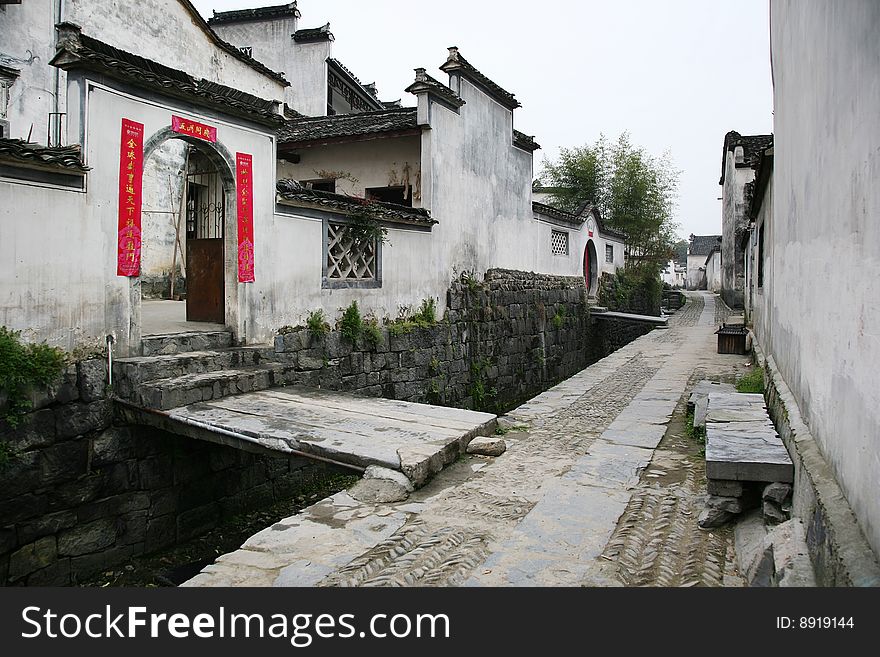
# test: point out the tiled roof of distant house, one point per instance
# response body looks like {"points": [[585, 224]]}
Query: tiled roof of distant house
{"points": [[369, 90], [311, 34], [455, 63], [313, 130], [753, 147], [18, 151], [257, 13], [292, 191], [525, 142], [702, 245], [425, 83], [78, 50], [578, 217]]}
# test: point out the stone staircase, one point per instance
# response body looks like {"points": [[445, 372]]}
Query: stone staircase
{"points": [[186, 368]]}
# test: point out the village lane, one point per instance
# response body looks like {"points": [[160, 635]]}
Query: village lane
{"points": [[600, 485]]}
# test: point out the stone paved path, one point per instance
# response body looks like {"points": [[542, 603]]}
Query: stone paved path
{"points": [[603, 488]]}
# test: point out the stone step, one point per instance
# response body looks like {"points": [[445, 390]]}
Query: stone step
{"points": [[178, 343], [164, 394], [142, 369]]}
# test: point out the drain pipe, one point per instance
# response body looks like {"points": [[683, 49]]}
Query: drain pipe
{"points": [[110, 341], [237, 436]]}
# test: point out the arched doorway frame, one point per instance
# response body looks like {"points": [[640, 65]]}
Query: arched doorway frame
{"points": [[220, 157], [591, 268]]}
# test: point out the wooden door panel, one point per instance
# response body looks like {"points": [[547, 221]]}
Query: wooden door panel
{"points": [[205, 281]]}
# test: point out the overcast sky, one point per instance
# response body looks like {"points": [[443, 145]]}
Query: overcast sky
{"points": [[676, 74]]}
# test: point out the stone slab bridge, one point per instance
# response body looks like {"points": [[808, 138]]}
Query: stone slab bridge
{"points": [[598, 487]]}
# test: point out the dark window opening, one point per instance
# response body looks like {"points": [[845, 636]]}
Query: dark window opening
{"points": [[320, 185], [609, 253], [761, 256], [399, 195]]}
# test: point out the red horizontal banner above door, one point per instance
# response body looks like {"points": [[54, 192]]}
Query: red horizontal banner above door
{"points": [[193, 128]]}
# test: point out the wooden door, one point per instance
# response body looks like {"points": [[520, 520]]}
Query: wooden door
{"points": [[204, 282]]}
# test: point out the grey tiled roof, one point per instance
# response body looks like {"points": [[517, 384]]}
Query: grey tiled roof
{"points": [[257, 13], [425, 83], [68, 158], [368, 89], [322, 33], [753, 147], [340, 126], [703, 245], [525, 142], [577, 218], [456, 63], [78, 50], [295, 194]]}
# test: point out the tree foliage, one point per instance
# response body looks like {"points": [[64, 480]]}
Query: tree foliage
{"points": [[634, 191]]}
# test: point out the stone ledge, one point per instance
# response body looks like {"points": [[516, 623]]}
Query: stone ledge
{"points": [[839, 550]]}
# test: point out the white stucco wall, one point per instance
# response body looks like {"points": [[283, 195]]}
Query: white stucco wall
{"points": [[361, 165], [163, 182], [27, 44], [270, 40], [821, 287], [696, 272], [164, 31], [733, 213], [713, 272], [58, 249]]}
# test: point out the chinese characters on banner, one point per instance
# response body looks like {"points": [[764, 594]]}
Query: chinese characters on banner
{"points": [[193, 128], [131, 169], [244, 193]]}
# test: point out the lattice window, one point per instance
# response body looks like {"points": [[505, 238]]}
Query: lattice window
{"points": [[558, 242], [609, 253], [349, 259]]}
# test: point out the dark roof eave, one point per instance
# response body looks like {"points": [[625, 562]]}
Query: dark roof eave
{"points": [[458, 64], [67, 159], [78, 51], [288, 146], [342, 70], [257, 13]]}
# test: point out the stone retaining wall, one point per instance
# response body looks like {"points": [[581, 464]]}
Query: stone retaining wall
{"points": [[78, 494], [502, 341]]}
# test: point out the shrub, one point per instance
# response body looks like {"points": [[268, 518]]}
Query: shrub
{"points": [[317, 323], [427, 312], [752, 382], [372, 333], [23, 366], [351, 325]]}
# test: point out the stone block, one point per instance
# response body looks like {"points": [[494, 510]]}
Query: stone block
{"points": [[92, 376], [773, 513], [711, 518], [119, 478], [80, 418], [132, 528], [114, 506], [114, 445], [161, 533], [46, 525], [163, 502], [21, 475], [381, 486], [487, 446], [32, 557], [777, 492], [35, 430], [156, 472], [729, 504], [87, 538], [724, 487], [8, 540], [81, 568], [198, 521], [63, 462], [76, 492], [701, 408], [57, 574]]}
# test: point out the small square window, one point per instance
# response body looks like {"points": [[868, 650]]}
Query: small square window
{"points": [[559, 242], [609, 253], [350, 262]]}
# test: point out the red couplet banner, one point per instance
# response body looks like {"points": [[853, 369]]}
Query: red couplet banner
{"points": [[131, 170], [193, 128], [245, 193]]}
